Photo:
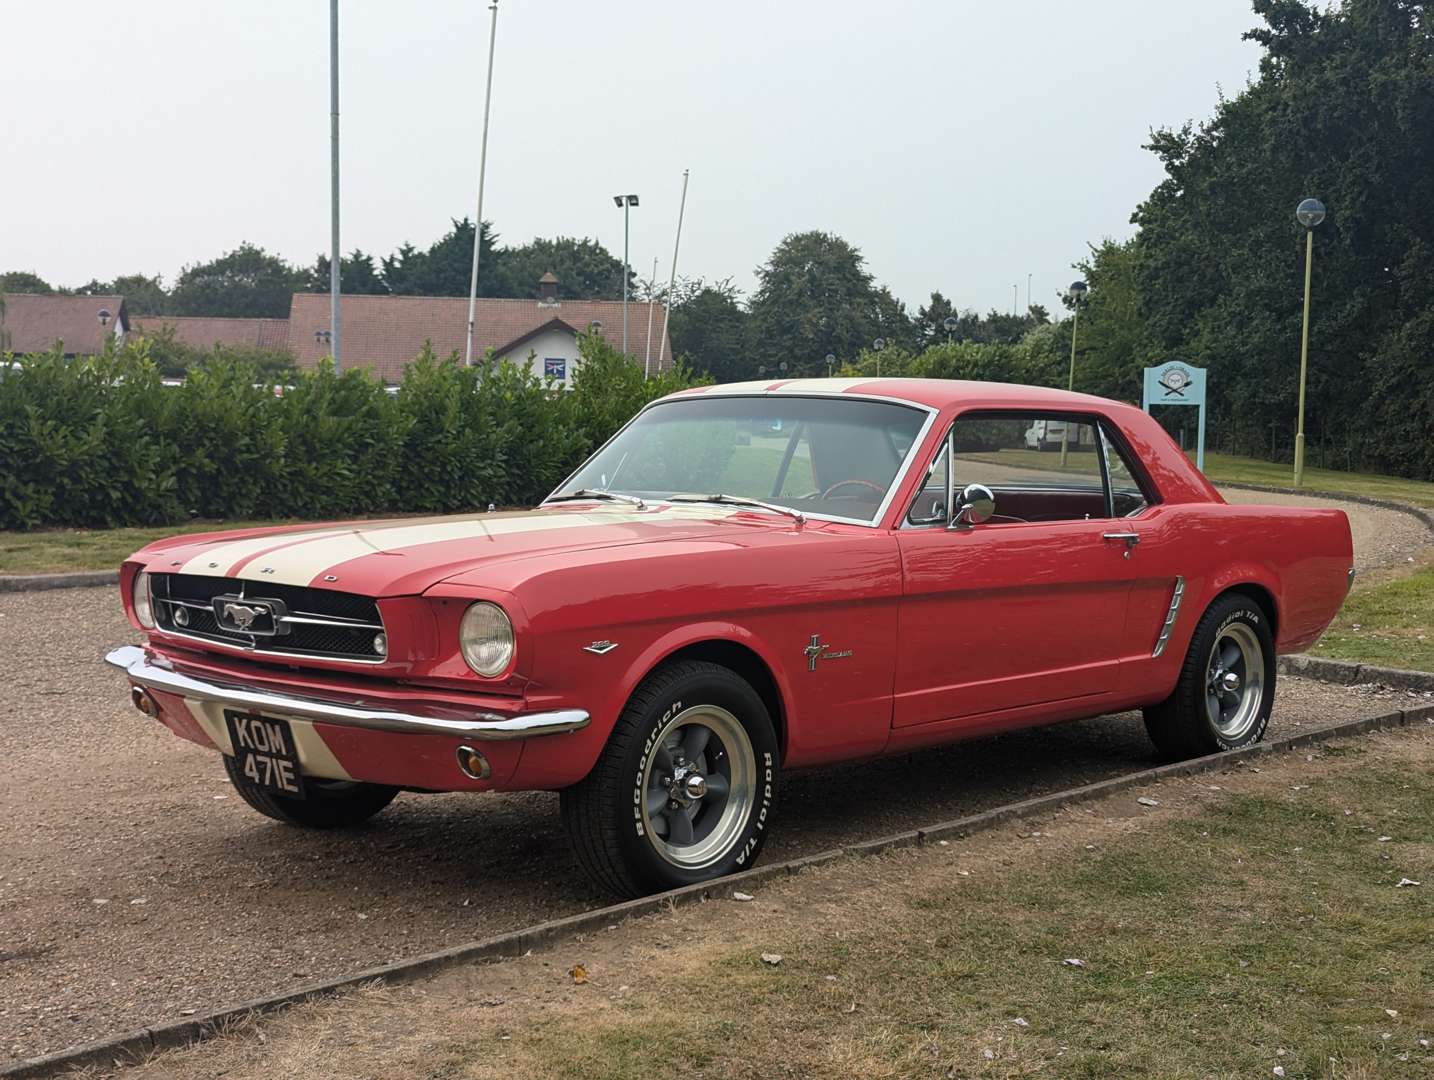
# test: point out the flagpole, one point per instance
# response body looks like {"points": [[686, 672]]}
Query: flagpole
{"points": [[482, 172], [672, 281], [651, 302]]}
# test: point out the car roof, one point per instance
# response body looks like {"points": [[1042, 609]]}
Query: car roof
{"points": [[931, 393]]}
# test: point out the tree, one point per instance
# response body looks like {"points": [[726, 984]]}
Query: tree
{"points": [[709, 332], [446, 267], [143, 295], [814, 296], [24, 281], [1342, 109], [246, 282], [584, 268], [358, 275]]}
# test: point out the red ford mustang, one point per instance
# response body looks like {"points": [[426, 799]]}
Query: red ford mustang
{"points": [[745, 579]]}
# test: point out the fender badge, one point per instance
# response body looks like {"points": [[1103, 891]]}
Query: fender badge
{"points": [[815, 651], [601, 648]]}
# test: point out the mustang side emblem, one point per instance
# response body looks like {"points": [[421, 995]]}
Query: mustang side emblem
{"points": [[242, 615], [817, 651]]}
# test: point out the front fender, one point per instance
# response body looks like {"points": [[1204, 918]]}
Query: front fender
{"points": [[557, 762]]}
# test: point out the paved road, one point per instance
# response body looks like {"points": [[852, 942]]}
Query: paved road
{"points": [[134, 885]]}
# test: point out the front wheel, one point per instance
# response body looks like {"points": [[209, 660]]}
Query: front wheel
{"points": [[684, 790], [330, 804], [1227, 684]]}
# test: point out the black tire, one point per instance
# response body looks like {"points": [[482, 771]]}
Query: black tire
{"points": [[616, 835], [331, 804], [1185, 724]]}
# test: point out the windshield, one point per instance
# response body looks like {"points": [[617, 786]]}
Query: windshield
{"points": [[830, 456]]}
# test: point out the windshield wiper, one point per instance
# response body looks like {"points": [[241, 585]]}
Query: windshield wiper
{"points": [[738, 500], [597, 493]]}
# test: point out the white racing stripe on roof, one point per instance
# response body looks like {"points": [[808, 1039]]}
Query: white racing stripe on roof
{"points": [[822, 386]]}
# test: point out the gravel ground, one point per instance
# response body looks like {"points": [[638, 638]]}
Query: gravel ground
{"points": [[135, 887]]}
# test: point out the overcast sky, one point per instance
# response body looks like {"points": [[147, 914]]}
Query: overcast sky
{"points": [[961, 145]]}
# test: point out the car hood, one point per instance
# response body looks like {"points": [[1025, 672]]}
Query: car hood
{"points": [[406, 556]]}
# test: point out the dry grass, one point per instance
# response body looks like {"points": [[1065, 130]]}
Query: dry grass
{"points": [[1250, 921]]}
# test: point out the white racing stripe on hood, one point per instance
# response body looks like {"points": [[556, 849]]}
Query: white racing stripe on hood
{"points": [[309, 554]]}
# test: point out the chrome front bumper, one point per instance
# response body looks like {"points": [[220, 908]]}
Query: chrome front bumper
{"points": [[481, 725]]}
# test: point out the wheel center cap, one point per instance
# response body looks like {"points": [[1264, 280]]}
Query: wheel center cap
{"points": [[1230, 682], [694, 786]]}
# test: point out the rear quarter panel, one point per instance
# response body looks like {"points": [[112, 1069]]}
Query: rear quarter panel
{"points": [[1300, 557]]}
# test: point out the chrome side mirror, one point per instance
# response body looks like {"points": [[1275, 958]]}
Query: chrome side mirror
{"points": [[975, 505]]}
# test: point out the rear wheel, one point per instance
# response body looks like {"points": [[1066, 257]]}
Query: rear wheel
{"points": [[685, 788], [1227, 684], [330, 804]]}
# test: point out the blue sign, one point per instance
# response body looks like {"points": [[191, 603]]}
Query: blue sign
{"points": [[1176, 383], [555, 369]]}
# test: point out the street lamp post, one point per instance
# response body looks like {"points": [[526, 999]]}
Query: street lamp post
{"points": [[831, 359], [950, 324], [1076, 295], [335, 260], [627, 202], [878, 345], [1309, 213]]}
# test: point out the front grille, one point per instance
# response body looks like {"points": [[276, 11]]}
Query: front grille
{"points": [[315, 622]]}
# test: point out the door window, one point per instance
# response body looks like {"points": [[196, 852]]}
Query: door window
{"points": [[1041, 468], [1126, 494]]}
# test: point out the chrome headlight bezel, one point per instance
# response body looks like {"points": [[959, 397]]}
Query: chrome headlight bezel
{"points": [[485, 637], [142, 597]]}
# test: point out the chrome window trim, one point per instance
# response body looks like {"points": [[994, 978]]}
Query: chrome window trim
{"points": [[898, 481], [1096, 420]]}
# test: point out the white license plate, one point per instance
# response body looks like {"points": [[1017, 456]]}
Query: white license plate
{"points": [[265, 751]]}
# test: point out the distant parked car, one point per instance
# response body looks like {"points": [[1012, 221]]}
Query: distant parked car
{"points": [[1050, 434], [696, 611]]}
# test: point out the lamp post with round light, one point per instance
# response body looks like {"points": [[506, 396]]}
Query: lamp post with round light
{"points": [[831, 359], [950, 325], [1309, 213], [1076, 294], [878, 345]]}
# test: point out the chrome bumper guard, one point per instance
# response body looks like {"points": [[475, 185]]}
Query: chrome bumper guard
{"points": [[481, 725]]}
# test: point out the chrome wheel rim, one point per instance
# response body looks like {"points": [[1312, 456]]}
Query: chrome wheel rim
{"points": [[698, 787], [1235, 681]]}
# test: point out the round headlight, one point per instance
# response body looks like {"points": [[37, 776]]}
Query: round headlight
{"points": [[486, 636], [143, 608]]}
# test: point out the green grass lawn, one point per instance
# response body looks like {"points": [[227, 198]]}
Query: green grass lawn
{"points": [[1389, 624], [1229, 469], [53, 551]]}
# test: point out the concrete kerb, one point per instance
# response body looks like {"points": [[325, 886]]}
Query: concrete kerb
{"points": [[135, 1047], [1348, 673], [38, 582]]}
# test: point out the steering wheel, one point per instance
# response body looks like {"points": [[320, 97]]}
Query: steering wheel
{"points": [[827, 494]]}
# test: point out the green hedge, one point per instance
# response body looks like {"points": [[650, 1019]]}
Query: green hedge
{"points": [[98, 441]]}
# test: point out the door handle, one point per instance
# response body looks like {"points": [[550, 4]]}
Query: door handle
{"points": [[1130, 538]]}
